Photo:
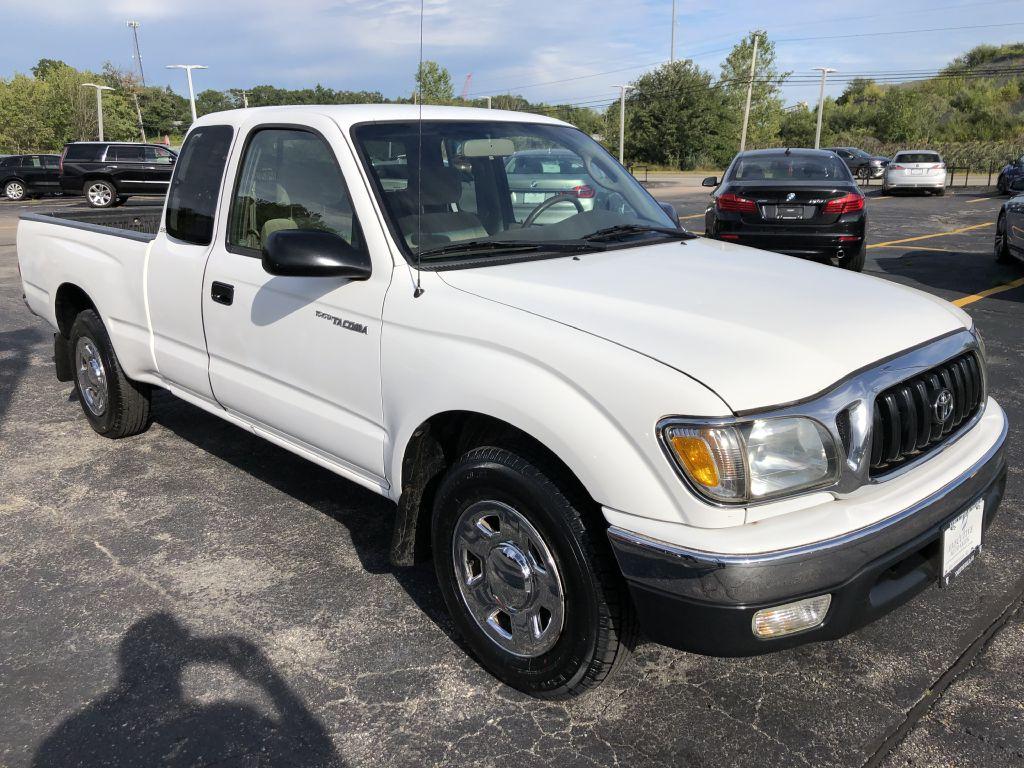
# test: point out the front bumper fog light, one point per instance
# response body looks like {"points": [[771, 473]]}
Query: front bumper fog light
{"points": [[786, 619]]}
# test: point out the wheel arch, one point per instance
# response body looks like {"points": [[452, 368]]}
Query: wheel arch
{"points": [[434, 446], [69, 301]]}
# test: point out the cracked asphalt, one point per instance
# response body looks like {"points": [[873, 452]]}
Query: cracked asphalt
{"points": [[196, 596]]}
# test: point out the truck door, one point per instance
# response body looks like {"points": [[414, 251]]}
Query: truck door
{"points": [[177, 261], [299, 356]]}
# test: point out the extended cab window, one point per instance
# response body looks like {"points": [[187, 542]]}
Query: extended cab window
{"points": [[289, 180], [195, 186]]}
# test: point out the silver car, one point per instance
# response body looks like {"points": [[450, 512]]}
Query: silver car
{"points": [[538, 175], [915, 169]]}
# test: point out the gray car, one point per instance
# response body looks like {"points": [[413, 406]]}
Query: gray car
{"points": [[862, 164], [538, 175]]}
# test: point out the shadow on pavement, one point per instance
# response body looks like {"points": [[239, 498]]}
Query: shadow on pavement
{"points": [[368, 517], [962, 272], [145, 719], [15, 348]]}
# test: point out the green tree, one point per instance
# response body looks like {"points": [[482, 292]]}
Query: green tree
{"points": [[213, 101], [434, 83], [798, 126], [766, 102]]}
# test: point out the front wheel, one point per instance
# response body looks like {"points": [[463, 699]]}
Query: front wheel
{"points": [[115, 405], [14, 190], [864, 172], [531, 583], [100, 194]]}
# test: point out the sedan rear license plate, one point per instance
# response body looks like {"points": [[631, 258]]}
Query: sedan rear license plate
{"points": [[533, 197], [917, 171], [790, 212], [961, 540]]}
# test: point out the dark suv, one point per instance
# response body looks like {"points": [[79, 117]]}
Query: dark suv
{"points": [[107, 172], [24, 175]]}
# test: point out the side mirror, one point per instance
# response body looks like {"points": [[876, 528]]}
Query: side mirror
{"points": [[1017, 185], [671, 211], [710, 181], [311, 253]]}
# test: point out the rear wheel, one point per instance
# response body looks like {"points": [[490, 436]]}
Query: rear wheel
{"points": [[531, 583], [855, 263], [14, 190], [99, 193], [941, 191], [1002, 244], [115, 405]]}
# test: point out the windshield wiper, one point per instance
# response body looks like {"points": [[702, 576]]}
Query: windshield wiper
{"points": [[622, 230], [504, 246]]}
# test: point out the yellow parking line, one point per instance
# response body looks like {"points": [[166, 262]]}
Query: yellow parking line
{"points": [[982, 294], [978, 200], [929, 237], [918, 248], [692, 216]]}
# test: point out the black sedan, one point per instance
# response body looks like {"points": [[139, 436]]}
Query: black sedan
{"points": [[1010, 224], [802, 202]]}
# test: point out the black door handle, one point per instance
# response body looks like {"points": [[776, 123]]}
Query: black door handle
{"points": [[222, 293]]}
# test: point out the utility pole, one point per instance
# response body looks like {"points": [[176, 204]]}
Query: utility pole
{"points": [[672, 48], [821, 103], [622, 120], [245, 100], [488, 102], [138, 112], [99, 104], [191, 91], [750, 92], [134, 27]]}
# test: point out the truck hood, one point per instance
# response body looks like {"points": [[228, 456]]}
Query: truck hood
{"points": [[758, 328]]}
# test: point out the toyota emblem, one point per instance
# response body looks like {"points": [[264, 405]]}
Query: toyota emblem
{"points": [[943, 406]]}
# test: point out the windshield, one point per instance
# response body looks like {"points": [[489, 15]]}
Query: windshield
{"points": [[783, 167], [858, 152], [487, 188]]}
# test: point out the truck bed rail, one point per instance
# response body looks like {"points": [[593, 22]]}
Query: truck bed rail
{"points": [[141, 225]]}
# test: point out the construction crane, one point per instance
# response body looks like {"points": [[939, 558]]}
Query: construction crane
{"points": [[465, 86]]}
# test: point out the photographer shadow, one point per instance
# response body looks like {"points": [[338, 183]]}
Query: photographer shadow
{"points": [[146, 720]]}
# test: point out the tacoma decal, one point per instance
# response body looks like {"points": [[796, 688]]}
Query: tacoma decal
{"points": [[348, 325]]}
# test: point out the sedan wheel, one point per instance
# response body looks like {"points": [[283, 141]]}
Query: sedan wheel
{"points": [[100, 194], [1002, 245], [864, 172], [14, 190]]}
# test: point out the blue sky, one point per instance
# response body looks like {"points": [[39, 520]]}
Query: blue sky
{"points": [[373, 44]]}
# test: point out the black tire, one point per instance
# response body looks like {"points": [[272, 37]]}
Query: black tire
{"points": [[126, 403], [856, 262], [941, 192], [15, 189], [598, 626], [100, 193], [1002, 245], [864, 172]]}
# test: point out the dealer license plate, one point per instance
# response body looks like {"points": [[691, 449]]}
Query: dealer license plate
{"points": [[533, 197], [917, 171], [790, 212], [961, 540]]}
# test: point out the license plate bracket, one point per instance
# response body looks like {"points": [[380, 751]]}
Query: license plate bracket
{"points": [[961, 541], [534, 197]]}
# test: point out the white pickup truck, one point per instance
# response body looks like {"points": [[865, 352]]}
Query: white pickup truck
{"points": [[593, 421]]}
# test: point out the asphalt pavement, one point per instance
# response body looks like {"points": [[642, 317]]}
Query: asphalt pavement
{"points": [[198, 592]]}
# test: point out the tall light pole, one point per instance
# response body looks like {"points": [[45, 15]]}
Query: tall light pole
{"points": [[99, 103], [191, 92], [750, 92], [821, 103], [134, 27], [622, 120], [672, 48]]}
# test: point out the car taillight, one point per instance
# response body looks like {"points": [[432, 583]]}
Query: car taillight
{"points": [[583, 191], [894, 167], [735, 203], [846, 204], [939, 166]]}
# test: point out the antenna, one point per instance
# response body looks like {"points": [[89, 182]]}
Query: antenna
{"points": [[418, 291]]}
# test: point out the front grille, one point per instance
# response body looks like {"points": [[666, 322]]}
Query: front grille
{"points": [[907, 420]]}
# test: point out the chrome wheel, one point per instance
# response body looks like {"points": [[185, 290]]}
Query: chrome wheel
{"points": [[14, 190], [92, 377], [508, 579], [100, 194]]}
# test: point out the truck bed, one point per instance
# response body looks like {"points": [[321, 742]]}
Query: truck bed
{"points": [[137, 224]]}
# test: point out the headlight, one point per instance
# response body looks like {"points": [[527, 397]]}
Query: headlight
{"points": [[754, 460]]}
